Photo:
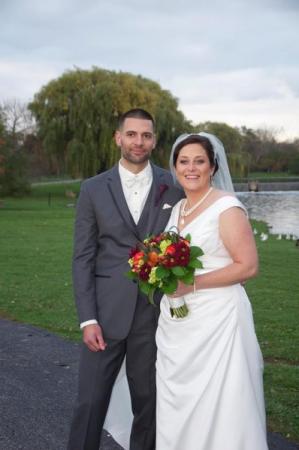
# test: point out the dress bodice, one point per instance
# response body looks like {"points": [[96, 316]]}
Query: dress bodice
{"points": [[204, 231]]}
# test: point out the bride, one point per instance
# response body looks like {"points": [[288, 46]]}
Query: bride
{"points": [[209, 364]]}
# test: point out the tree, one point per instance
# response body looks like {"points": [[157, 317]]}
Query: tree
{"points": [[238, 159], [2, 126], [266, 154], [13, 176], [77, 114], [294, 164], [229, 136], [2, 142], [16, 117]]}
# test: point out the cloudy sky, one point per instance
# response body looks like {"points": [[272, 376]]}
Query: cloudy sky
{"points": [[234, 61]]}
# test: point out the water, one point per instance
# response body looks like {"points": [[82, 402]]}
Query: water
{"points": [[279, 209]]}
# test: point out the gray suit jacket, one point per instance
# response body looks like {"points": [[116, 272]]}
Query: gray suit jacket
{"points": [[104, 234]]}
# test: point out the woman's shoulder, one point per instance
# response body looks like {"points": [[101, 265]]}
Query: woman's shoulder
{"points": [[224, 200]]}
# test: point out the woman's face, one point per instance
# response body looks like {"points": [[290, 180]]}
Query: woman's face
{"points": [[193, 168]]}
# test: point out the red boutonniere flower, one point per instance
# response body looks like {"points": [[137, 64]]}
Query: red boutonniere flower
{"points": [[162, 188]]}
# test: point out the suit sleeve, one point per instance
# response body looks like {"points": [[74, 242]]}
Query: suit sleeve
{"points": [[84, 257]]}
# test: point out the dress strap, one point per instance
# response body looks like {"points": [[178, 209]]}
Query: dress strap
{"points": [[227, 202]]}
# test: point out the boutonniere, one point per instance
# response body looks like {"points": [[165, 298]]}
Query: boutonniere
{"points": [[161, 189]]}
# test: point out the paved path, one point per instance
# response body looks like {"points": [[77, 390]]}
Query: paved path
{"points": [[38, 379]]}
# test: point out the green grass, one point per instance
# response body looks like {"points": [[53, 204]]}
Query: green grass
{"points": [[275, 299], [35, 273], [36, 288]]}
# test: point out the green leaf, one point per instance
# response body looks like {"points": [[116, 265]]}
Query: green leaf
{"points": [[178, 271], [162, 272], [188, 237], [195, 251], [189, 271], [171, 286], [131, 275], [144, 287], [195, 263], [151, 297], [188, 279]]}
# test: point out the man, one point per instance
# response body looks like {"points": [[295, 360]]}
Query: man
{"points": [[115, 210]]}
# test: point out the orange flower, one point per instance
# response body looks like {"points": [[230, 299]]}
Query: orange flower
{"points": [[153, 258]]}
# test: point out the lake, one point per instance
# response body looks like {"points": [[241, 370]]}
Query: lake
{"points": [[279, 209]]}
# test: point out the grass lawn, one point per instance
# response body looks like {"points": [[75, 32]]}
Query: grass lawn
{"points": [[35, 287], [275, 299]]}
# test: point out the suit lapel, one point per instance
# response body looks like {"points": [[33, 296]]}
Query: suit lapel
{"points": [[152, 206], [117, 194]]}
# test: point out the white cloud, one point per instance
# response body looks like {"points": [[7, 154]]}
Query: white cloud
{"points": [[280, 115], [235, 57], [241, 85], [33, 77]]}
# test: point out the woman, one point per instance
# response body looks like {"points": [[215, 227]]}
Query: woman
{"points": [[209, 364]]}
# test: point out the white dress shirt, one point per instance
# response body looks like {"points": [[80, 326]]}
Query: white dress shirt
{"points": [[136, 188]]}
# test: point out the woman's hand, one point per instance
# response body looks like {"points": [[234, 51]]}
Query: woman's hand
{"points": [[182, 289]]}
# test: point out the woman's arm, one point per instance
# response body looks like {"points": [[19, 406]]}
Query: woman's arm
{"points": [[236, 234]]}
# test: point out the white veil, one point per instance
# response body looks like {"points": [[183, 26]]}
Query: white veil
{"points": [[222, 178]]}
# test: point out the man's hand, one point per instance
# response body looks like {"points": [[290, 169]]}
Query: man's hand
{"points": [[93, 338]]}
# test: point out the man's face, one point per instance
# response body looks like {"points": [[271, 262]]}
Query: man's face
{"points": [[136, 140]]}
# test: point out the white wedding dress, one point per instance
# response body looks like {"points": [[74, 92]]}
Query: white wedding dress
{"points": [[209, 364]]}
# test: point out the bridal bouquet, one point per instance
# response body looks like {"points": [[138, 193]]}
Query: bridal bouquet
{"points": [[159, 262]]}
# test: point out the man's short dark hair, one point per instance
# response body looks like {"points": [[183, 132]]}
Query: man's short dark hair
{"points": [[136, 113]]}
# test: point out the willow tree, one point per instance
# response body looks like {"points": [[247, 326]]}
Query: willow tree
{"points": [[239, 164], [77, 115]]}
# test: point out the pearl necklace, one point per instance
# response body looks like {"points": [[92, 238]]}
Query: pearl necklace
{"points": [[185, 213]]}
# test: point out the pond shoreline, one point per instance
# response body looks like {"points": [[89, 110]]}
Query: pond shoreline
{"points": [[266, 186], [279, 209]]}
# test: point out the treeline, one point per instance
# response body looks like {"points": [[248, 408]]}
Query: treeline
{"points": [[68, 129]]}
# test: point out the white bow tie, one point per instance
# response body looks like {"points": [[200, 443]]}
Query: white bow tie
{"points": [[130, 182]]}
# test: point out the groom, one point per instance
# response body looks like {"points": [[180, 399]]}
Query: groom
{"points": [[115, 210]]}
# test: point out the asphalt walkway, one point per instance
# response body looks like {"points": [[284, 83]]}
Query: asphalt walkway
{"points": [[38, 379]]}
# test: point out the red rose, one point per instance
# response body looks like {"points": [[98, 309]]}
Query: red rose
{"points": [[138, 255], [170, 250], [170, 262], [144, 272], [182, 260]]}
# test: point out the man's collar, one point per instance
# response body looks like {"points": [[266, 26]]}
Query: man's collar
{"points": [[125, 173]]}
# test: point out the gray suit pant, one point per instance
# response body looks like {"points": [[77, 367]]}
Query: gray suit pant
{"points": [[97, 373]]}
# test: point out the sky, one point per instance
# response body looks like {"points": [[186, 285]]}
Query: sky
{"points": [[232, 61]]}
